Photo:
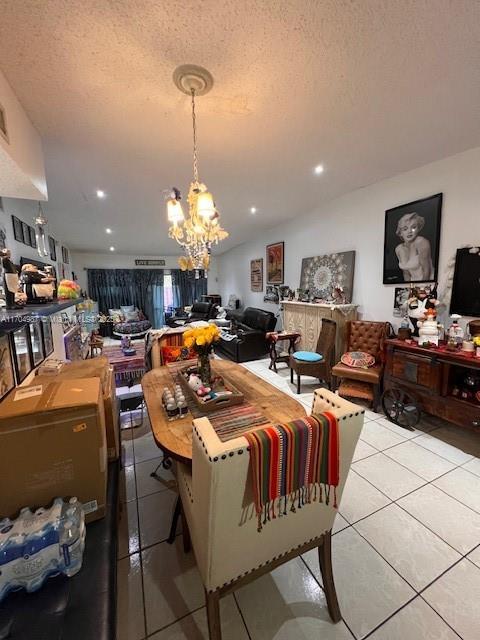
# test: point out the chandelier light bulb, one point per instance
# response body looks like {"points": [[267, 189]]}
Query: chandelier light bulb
{"points": [[174, 211], [205, 206]]}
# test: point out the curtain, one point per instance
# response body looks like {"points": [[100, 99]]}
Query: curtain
{"points": [[186, 288], [143, 288]]}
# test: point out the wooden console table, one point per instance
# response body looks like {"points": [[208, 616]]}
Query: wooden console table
{"points": [[306, 318], [430, 376]]}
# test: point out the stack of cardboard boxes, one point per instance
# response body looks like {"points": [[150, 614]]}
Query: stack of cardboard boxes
{"points": [[56, 437]]}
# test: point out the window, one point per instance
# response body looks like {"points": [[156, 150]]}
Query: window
{"points": [[167, 291]]}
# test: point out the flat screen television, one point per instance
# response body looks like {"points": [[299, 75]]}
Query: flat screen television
{"points": [[466, 283]]}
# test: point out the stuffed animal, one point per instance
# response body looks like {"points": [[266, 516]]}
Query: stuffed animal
{"points": [[194, 382], [203, 391]]}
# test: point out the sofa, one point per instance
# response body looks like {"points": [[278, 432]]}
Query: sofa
{"points": [[199, 311], [247, 340]]}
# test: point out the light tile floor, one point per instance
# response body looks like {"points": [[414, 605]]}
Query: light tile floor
{"points": [[406, 546]]}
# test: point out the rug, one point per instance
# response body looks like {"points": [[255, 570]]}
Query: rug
{"points": [[126, 368]]}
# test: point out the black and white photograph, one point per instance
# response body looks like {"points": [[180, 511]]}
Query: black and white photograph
{"points": [[400, 301], [17, 229], [53, 248], [412, 240]]}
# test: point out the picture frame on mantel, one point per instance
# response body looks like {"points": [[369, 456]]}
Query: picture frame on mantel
{"points": [[275, 263], [256, 275], [412, 241]]}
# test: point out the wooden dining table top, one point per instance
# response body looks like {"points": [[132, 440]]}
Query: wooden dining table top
{"points": [[174, 437]]}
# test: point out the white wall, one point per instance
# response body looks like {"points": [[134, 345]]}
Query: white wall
{"points": [[83, 261], [356, 221], [22, 171], [25, 210]]}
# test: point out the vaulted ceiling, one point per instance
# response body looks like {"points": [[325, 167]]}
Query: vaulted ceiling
{"points": [[368, 88]]}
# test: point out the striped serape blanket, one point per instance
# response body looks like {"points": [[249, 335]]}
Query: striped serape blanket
{"points": [[294, 464]]}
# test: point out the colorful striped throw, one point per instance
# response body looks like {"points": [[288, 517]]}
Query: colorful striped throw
{"points": [[293, 464]]}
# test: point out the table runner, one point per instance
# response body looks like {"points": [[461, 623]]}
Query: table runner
{"points": [[294, 462], [126, 367]]}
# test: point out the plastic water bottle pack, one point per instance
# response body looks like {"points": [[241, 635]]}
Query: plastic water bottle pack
{"points": [[38, 545]]}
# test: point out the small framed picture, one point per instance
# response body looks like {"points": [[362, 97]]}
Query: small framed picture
{"points": [[275, 263], [256, 275], [33, 237], [36, 342], [21, 353], [47, 336], [53, 249], [26, 233], [17, 229], [412, 241], [65, 256], [66, 324], [7, 375]]}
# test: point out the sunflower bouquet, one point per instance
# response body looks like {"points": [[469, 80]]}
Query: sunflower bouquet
{"points": [[201, 340]]}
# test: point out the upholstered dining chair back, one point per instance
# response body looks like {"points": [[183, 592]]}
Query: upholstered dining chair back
{"points": [[326, 340], [217, 500], [367, 336]]}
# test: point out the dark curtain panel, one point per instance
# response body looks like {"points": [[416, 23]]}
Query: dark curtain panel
{"points": [[186, 288], [143, 288]]}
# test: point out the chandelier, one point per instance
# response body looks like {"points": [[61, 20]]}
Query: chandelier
{"points": [[201, 229]]}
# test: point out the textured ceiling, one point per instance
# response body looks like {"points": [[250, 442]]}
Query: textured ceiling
{"points": [[369, 88]]}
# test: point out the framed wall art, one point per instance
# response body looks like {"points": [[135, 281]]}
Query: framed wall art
{"points": [[26, 233], [7, 375], [275, 263], [65, 256], [412, 241], [329, 277], [17, 229], [33, 237], [52, 248], [21, 353], [256, 275], [401, 296]]}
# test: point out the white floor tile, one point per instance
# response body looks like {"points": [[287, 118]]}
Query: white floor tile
{"points": [[146, 484], [416, 621], [145, 448], [455, 596], [462, 485], [288, 604], [128, 535], [368, 589], [416, 553], [126, 484], [173, 587], [195, 627], [360, 499], [379, 437], [400, 431], [130, 613], [339, 523], [421, 461], [432, 442], [453, 522], [155, 515], [373, 415], [473, 466], [475, 556], [363, 450], [128, 457], [388, 476]]}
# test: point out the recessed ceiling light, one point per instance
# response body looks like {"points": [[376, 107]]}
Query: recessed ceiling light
{"points": [[112, 248], [318, 169], [108, 230], [100, 193], [253, 209]]}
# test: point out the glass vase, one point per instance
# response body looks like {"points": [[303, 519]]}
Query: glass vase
{"points": [[204, 369]]}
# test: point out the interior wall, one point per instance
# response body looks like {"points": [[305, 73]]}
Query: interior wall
{"points": [[83, 261], [26, 210], [356, 222]]}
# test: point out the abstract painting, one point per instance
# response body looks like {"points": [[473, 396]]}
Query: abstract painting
{"points": [[329, 277]]}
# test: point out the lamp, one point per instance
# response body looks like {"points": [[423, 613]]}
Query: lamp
{"points": [[197, 232]]}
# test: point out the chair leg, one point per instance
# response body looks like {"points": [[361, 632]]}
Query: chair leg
{"points": [[173, 527], [325, 558], [187, 543], [291, 375], [376, 397], [298, 383], [213, 616]]}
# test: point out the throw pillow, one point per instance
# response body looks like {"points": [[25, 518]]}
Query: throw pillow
{"points": [[116, 315], [307, 356], [132, 316], [176, 354], [358, 359], [127, 308]]}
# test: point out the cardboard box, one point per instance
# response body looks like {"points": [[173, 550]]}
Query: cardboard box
{"points": [[97, 368], [52, 443]]}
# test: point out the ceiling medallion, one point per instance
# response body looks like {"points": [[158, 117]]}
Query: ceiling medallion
{"points": [[201, 229]]}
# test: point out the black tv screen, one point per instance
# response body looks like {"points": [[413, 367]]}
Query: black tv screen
{"points": [[466, 283]]}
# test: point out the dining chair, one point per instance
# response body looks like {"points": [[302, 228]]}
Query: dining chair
{"points": [[221, 522], [316, 363]]}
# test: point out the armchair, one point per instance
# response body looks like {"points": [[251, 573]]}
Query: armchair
{"points": [[367, 337], [250, 342], [217, 502]]}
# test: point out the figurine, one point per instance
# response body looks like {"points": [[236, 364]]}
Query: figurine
{"points": [[194, 382], [37, 285], [418, 304], [428, 329]]}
